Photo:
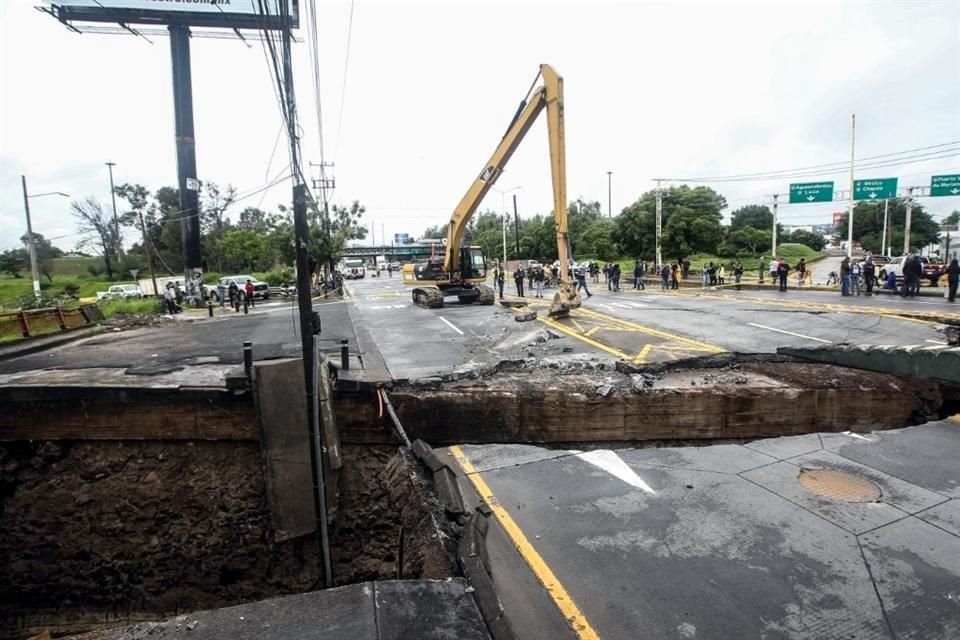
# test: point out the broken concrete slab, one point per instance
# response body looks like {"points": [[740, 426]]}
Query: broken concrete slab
{"points": [[385, 610], [526, 317]]}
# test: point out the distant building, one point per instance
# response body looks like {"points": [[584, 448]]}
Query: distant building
{"points": [[838, 218]]}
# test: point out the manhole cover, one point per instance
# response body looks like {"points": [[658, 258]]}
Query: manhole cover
{"points": [[839, 485]]}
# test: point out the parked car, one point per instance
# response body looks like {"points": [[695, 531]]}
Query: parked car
{"points": [[124, 291], [260, 289], [931, 270]]}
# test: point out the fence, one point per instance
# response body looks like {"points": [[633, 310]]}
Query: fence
{"points": [[26, 324]]}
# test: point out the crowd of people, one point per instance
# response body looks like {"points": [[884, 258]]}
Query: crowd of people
{"points": [[856, 277]]}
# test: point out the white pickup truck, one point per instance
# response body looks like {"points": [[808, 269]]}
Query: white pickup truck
{"points": [[121, 291]]}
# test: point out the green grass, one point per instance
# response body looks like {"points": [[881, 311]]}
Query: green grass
{"points": [[144, 306], [12, 290]]}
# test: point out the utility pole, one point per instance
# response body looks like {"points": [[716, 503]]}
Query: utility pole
{"points": [[659, 222], [883, 241], [853, 139], [31, 242], [305, 304], [773, 250], [113, 198], [906, 225], [609, 194], [516, 224], [146, 250]]}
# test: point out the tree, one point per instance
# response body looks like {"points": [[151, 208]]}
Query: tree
{"points": [[953, 218], [812, 240], [598, 240], [45, 252], [753, 215], [436, 232], [13, 261], [166, 231], [868, 225], [580, 215], [332, 230], [98, 229], [245, 248], [696, 228], [748, 239], [538, 239]]}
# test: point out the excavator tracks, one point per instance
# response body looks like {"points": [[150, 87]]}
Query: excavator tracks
{"points": [[428, 297], [486, 296]]}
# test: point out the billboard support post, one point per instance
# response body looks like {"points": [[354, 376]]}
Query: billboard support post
{"points": [[186, 155]]}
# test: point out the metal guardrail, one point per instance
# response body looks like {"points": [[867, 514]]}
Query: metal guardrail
{"points": [[27, 324]]}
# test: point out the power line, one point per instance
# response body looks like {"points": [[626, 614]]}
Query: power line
{"points": [[343, 89], [786, 173]]}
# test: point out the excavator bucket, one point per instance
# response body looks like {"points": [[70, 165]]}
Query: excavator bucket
{"points": [[563, 301]]}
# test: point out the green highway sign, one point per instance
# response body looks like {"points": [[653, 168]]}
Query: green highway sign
{"points": [[805, 192], [948, 185], [875, 189]]}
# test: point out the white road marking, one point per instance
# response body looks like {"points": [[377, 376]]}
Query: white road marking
{"points": [[451, 325], [622, 305], [613, 464], [789, 333], [939, 342], [605, 306], [858, 436]]}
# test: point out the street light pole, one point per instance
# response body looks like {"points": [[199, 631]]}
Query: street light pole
{"points": [[31, 243], [609, 194], [113, 197]]}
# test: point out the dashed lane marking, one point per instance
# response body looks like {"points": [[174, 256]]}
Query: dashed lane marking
{"points": [[789, 333], [642, 356], [451, 325], [555, 589]]}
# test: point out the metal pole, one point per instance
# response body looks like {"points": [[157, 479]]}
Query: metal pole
{"points": [[774, 243], [186, 152], [659, 223], [319, 479], [503, 208], [853, 138], [516, 224], [883, 241], [31, 243], [146, 250], [906, 225], [609, 194], [113, 198], [304, 303]]}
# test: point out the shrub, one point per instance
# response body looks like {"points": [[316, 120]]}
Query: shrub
{"points": [[95, 269], [71, 289], [277, 277]]}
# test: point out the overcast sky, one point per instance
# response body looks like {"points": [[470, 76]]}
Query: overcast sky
{"points": [[675, 89]]}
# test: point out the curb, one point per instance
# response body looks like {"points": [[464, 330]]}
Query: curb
{"points": [[473, 560], [443, 478], [48, 342]]}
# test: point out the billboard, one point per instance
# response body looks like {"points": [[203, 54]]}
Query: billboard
{"points": [[228, 14], [401, 238]]}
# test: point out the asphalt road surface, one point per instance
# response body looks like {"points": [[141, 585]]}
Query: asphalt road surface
{"points": [[641, 326], [727, 541]]}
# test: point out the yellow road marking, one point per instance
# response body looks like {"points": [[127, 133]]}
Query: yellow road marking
{"points": [[574, 616], [642, 356], [570, 332], [592, 331], [653, 332], [577, 325]]}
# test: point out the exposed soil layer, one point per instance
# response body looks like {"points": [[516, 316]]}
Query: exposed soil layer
{"points": [[388, 522], [103, 532], [581, 399]]}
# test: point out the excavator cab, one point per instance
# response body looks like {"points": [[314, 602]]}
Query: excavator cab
{"points": [[473, 264]]}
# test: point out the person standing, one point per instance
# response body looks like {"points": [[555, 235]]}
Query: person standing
{"points": [[953, 278], [705, 276], [233, 291], [774, 270], [737, 273], [249, 290], [869, 275], [761, 268], [721, 274], [845, 277], [855, 272], [783, 270], [616, 276], [389, 270], [665, 277], [518, 280], [500, 280], [538, 281], [168, 299], [637, 275], [674, 272], [801, 271], [581, 278], [685, 267]]}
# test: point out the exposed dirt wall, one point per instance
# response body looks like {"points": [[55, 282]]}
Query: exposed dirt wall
{"points": [[100, 532], [388, 523]]}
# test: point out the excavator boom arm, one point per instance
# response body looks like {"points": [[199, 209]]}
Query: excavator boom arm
{"points": [[549, 96]]}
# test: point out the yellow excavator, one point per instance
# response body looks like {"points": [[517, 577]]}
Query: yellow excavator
{"points": [[462, 271]]}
